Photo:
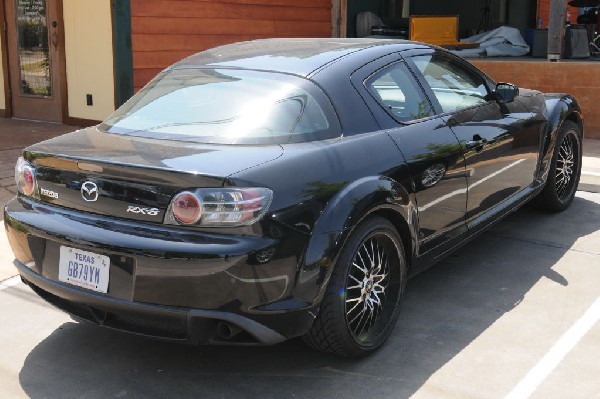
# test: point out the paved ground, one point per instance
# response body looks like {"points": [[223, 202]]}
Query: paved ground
{"points": [[475, 326], [513, 314]]}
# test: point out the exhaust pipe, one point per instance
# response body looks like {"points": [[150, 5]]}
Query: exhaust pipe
{"points": [[226, 330]]}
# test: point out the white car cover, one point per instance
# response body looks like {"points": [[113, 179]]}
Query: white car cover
{"points": [[500, 42]]}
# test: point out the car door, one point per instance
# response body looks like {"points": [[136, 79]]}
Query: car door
{"points": [[429, 147], [499, 141]]}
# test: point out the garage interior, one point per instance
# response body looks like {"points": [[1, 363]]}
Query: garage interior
{"points": [[577, 76]]}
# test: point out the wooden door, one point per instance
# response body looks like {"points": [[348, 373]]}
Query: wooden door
{"points": [[36, 60]]}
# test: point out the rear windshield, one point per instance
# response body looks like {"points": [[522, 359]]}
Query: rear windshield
{"points": [[227, 106]]}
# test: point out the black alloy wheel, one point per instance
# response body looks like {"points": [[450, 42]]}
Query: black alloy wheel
{"points": [[565, 170], [565, 166], [362, 302]]}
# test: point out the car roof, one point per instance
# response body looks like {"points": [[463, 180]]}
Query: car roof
{"points": [[294, 56]]}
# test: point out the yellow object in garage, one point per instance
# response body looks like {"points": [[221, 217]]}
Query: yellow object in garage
{"points": [[439, 30]]}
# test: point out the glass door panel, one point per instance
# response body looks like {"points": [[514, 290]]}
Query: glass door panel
{"points": [[32, 42]]}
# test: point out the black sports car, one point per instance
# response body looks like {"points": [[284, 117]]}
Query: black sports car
{"points": [[271, 189]]}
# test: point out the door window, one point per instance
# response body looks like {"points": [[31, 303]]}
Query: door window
{"points": [[396, 90], [34, 57], [454, 86]]}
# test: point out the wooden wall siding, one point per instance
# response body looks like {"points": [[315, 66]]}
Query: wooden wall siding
{"points": [[164, 31]]}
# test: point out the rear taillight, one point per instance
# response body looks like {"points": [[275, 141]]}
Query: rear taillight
{"points": [[219, 206], [25, 176], [186, 208]]}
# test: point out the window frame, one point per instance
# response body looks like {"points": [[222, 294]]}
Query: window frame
{"points": [[488, 83], [414, 80]]}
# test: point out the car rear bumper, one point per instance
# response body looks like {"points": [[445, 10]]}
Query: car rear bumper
{"points": [[164, 282], [194, 326]]}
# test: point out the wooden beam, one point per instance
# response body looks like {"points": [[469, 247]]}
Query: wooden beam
{"points": [[344, 18], [336, 18], [339, 8], [556, 29]]}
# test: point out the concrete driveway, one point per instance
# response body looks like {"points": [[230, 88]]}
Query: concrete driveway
{"points": [[512, 314]]}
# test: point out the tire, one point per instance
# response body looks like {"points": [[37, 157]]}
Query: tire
{"points": [[565, 170], [362, 301]]}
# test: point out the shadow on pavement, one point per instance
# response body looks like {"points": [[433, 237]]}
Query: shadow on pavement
{"points": [[445, 309]]}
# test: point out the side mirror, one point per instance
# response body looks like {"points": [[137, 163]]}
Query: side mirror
{"points": [[506, 92]]}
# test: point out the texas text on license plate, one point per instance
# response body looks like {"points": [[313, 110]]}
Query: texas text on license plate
{"points": [[84, 269]]}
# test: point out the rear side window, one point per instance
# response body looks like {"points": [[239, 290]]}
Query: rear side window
{"points": [[228, 107], [454, 86], [397, 92]]}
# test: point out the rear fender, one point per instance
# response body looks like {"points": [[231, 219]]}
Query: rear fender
{"points": [[364, 197]]}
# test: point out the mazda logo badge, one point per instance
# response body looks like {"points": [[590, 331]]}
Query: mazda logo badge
{"points": [[89, 191]]}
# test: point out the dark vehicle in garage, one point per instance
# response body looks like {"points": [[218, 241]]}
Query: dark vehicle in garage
{"points": [[272, 189]]}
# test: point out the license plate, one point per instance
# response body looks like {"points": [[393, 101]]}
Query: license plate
{"points": [[84, 269]]}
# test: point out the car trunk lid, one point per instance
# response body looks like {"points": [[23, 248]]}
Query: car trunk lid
{"points": [[133, 177]]}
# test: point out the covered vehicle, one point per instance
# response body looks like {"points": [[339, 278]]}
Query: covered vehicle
{"points": [[278, 188]]}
